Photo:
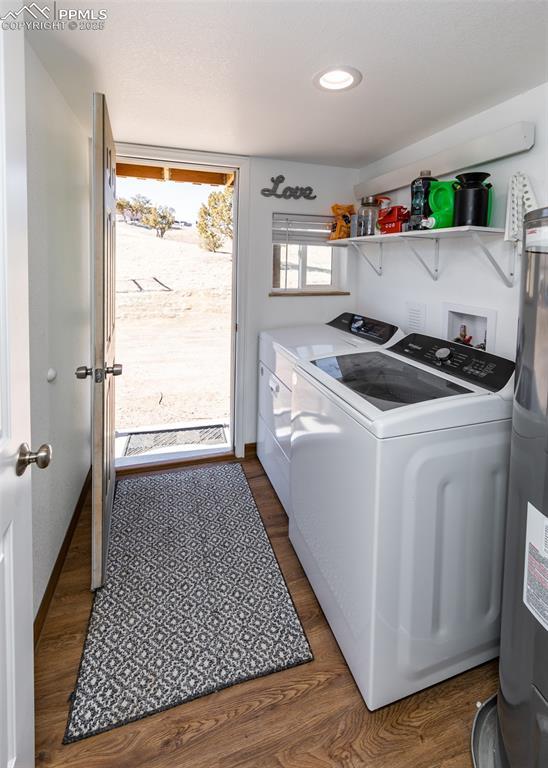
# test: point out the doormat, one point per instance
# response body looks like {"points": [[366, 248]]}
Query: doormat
{"points": [[194, 600], [143, 442]]}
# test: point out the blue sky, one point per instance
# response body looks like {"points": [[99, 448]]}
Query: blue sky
{"points": [[184, 197]]}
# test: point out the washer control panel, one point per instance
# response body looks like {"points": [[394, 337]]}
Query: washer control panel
{"points": [[463, 362], [367, 328]]}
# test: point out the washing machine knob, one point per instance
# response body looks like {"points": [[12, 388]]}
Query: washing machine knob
{"points": [[443, 354]]}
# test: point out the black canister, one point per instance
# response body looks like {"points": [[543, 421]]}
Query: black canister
{"points": [[472, 200]]}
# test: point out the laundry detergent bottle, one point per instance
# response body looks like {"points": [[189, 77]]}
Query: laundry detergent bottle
{"points": [[441, 200], [420, 208]]}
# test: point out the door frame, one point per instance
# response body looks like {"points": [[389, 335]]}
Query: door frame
{"points": [[145, 154]]}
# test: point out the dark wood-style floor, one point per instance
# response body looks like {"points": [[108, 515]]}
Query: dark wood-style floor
{"points": [[311, 716]]}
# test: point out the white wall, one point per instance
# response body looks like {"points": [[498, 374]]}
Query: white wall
{"points": [[466, 276], [331, 185], [59, 310]]}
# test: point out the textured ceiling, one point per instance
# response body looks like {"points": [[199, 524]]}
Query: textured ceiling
{"points": [[237, 76]]}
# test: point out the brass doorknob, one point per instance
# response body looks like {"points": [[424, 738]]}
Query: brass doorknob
{"points": [[25, 457], [115, 370]]}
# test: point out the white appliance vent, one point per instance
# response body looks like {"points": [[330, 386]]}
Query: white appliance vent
{"points": [[416, 317]]}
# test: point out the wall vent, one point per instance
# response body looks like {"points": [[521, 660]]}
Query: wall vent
{"points": [[416, 317]]}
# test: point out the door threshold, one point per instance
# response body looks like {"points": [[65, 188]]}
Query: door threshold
{"points": [[161, 443], [158, 463]]}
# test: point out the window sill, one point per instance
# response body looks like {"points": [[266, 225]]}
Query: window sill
{"points": [[309, 293]]}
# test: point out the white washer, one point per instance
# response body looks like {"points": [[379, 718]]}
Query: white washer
{"points": [[399, 463], [279, 350]]}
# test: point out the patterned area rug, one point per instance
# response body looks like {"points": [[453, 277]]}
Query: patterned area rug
{"points": [[194, 600]]}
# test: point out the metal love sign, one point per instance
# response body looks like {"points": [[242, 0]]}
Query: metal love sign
{"points": [[287, 193]]}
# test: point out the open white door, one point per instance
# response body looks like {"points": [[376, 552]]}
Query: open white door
{"points": [[103, 191], [16, 651]]}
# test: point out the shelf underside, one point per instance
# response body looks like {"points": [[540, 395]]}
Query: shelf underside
{"points": [[421, 234]]}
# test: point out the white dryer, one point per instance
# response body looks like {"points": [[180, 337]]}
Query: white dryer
{"points": [[399, 463], [279, 350]]}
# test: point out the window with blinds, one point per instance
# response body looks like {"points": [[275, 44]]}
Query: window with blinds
{"points": [[303, 258]]}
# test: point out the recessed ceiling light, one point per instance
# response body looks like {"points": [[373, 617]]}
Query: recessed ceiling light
{"points": [[338, 78]]}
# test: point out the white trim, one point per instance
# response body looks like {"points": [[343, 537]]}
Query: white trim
{"points": [[339, 275], [151, 155], [154, 163], [315, 290], [242, 309], [302, 268], [5, 406], [171, 457]]}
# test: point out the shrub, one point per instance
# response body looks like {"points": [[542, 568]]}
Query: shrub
{"points": [[215, 219]]}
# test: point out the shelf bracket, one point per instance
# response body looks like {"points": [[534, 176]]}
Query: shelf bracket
{"points": [[434, 270], [506, 277], [377, 268]]}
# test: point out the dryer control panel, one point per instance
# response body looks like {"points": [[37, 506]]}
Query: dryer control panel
{"points": [[463, 362], [367, 328]]}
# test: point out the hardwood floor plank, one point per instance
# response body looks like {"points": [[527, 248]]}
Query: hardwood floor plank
{"points": [[311, 716]]}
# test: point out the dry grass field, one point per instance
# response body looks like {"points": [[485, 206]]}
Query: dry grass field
{"points": [[173, 309]]}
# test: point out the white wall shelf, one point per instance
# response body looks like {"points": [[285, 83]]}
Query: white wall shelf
{"points": [[478, 235]]}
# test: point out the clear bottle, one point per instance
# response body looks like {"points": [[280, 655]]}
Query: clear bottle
{"points": [[420, 208], [368, 214]]}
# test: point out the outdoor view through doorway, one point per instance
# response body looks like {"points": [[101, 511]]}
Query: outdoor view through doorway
{"points": [[174, 305]]}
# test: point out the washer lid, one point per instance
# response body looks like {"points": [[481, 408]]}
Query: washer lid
{"points": [[400, 396], [386, 381]]}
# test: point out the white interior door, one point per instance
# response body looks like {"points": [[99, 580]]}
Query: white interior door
{"points": [[16, 650], [103, 190]]}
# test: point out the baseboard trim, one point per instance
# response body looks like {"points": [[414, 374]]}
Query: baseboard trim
{"points": [[56, 572], [250, 452]]}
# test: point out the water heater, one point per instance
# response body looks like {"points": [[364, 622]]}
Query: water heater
{"points": [[519, 716]]}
